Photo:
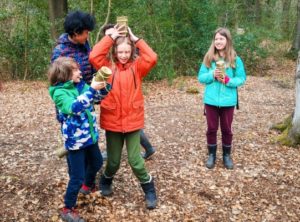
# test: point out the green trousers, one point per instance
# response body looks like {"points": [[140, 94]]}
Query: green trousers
{"points": [[115, 142]]}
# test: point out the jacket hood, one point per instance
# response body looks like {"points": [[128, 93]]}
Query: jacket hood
{"points": [[63, 39], [66, 85]]}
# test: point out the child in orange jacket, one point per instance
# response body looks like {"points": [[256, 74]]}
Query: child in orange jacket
{"points": [[122, 111], [145, 143]]}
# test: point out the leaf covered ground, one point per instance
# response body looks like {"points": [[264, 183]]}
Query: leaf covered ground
{"points": [[264, 185]]}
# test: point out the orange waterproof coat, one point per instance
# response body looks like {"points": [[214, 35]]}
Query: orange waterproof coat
{"points": [[122, 110]]}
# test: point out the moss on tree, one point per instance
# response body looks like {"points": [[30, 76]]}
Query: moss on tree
{"points": [[283, 125], [287, 136]]}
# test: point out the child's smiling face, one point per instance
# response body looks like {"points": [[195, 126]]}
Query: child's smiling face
{"points": [[220, 42], [123, 53], [76, 76]]}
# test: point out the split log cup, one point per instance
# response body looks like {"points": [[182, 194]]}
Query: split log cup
{"points": [[221, 66], [103, 74], [123, 21], [61, 152]]}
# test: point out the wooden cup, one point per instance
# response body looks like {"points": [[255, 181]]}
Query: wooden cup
{"points": [[123, 20]]}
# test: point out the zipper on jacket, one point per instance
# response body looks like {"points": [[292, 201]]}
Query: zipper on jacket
{"points": [[121, 101], [133, 77], [113, 77]]}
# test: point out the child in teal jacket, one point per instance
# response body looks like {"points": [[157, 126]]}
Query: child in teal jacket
{"points": [[220, 95]]}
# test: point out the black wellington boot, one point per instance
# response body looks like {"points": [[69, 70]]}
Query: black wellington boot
{"points": [[106, 185], [228, 163], [150, 194], [212, 153]]}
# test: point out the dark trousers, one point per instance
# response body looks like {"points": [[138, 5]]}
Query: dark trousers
{"points": [[144, 141], [83, 166], [214, 116]]}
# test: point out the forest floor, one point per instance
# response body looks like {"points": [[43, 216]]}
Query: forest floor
{"points": [[264, 185]]}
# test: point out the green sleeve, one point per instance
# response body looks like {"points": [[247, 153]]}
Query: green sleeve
{"points": [[63, 101]]}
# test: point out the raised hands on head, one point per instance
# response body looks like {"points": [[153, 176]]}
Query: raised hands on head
{"points": [[117, 31], [132, 36]]}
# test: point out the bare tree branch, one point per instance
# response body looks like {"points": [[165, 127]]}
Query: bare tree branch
{"points": [[106, 20]]}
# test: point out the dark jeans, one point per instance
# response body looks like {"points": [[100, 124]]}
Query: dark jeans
{"points": [[83, 166], [144, 141], [214, 115]]}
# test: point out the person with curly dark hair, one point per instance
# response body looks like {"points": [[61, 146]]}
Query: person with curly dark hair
{"points": [[74, 42]]}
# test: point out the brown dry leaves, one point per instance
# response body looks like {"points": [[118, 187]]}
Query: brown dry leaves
{"points": [[264, 186]]}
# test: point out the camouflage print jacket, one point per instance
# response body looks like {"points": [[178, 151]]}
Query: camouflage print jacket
{"points": [[78, 118]]}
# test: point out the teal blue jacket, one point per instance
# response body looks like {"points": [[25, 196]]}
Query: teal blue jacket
{"points": [[219, 94]]}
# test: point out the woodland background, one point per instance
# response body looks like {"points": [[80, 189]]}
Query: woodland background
{"points": [[179, 31]]}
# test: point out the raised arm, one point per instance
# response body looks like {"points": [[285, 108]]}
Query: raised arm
{"points": [[147, 57], [99, 54], [67, 104]]}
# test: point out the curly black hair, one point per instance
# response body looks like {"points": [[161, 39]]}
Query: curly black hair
{"points": [[78, 21]]}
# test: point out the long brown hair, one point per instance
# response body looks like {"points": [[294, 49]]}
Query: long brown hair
{"points": [[212, 53], [121, 40], [61, 70]]}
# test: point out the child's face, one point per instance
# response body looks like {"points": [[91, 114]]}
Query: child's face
{"points": [[123, 53], [76, 77], [81, 38], [220, 42]]}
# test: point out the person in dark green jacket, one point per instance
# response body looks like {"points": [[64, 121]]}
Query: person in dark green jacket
{"points": [[222, 72]]}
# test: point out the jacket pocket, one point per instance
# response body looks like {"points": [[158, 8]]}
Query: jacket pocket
{"points": [[109, 114], [137, 114], [138, 104]]}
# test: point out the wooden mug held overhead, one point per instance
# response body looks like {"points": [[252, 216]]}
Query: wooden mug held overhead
{"points": [[123, 21]]}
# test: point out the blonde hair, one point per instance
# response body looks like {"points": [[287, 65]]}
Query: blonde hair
{"points": [[121, 40], [212, 53], [61, 70]]}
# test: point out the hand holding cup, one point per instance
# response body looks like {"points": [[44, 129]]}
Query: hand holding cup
{"points": [[97, 85]]}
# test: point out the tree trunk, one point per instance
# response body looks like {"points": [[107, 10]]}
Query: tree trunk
{"points": [[296, 44], [106, 20], [57, 11], [291, 126], [26, 41], [294, 133], [221, 12], [285, 17], [92, 7], [257, 12]]}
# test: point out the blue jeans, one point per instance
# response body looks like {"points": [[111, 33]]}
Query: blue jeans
{"points": [[145, 142], [83, 167]]}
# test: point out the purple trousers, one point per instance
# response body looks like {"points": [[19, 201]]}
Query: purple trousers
{"points": [[214, 115]]}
